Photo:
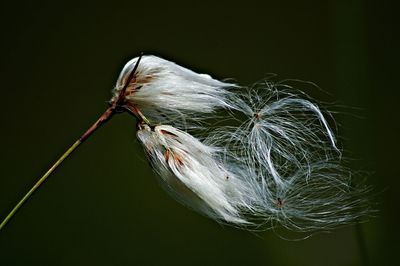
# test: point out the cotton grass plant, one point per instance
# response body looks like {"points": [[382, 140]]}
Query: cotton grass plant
{"points": [[277, 164]]}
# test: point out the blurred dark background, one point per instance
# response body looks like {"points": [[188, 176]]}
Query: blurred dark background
{"points": [[103, 206]]}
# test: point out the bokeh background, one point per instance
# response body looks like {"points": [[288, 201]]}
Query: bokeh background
{"points": [[103, 206]]}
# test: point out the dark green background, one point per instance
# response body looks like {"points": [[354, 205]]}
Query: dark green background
{"points": [[103, 206]]}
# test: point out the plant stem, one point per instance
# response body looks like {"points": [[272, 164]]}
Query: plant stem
{"points": [[120, 101], [39, 182], [104, 118]]}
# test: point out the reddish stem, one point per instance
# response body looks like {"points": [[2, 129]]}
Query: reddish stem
{"points": [[103, 118]]}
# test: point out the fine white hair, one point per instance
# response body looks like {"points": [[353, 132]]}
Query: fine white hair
{"points": [[279, 130], [278, 162], [166, 92]]}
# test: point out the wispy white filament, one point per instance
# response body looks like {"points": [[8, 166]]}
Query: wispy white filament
{"points": [[278, 164], [281, 131]]}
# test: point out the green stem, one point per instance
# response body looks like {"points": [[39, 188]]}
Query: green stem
{"points": [[39, 182], [104, 118]]}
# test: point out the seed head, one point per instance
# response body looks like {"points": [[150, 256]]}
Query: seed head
{"points": [[166, 92]]}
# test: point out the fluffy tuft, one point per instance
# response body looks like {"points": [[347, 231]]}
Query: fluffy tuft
{"points": [[278, 165], [190, 172], [168, 93]]}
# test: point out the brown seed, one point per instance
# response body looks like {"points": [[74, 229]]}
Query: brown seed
{"points": [[279, 203], [167, 133], [166, 155], [178, 159]]}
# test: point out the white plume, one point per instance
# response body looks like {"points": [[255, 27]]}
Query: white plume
{"points": [[166, 92], [276, 163], [190, 172]]}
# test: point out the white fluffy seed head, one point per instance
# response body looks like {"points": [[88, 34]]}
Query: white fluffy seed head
{"points": [[166, 92], [279, 165], [190, 172], [228, 189]]}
